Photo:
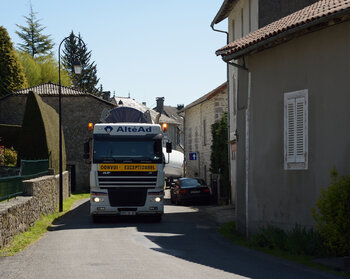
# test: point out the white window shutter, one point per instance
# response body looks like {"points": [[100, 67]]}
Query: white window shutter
{"points": [[300, 129], [290, 130], [296, 128]]}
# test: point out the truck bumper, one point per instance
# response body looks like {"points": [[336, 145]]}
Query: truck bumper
{"points": [[100, 205]]}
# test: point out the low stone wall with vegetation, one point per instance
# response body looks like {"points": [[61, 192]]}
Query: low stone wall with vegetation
{"points": [[40, 197]]}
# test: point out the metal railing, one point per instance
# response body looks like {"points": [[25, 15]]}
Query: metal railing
{"points": [[12, 186]]}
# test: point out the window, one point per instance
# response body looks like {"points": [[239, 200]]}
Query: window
{"points": [[232, 30], [250, 15], [204, 133], [295, 130], [242, 23], [189, 138]]}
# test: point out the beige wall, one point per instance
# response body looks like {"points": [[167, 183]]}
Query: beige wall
{"points": [[198, 137], [320, 63], [243, 19]]}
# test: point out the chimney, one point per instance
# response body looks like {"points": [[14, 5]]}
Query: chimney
{"points": [[180, 106], [106, 95], [160, 104]]}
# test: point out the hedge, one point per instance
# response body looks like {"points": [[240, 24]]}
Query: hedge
{"points": [[39, 134]]}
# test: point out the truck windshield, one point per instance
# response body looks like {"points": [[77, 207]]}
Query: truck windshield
{"points": [[125, 150]]}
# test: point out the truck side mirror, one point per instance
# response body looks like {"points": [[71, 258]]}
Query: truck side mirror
{"points": [[168, 147], [87, 150]]}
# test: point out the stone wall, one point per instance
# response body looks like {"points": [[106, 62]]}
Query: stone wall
{"points": [[198, 138], [40, 197]]}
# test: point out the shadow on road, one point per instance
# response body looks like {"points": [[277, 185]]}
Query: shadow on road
{"points": [[191, 236]]}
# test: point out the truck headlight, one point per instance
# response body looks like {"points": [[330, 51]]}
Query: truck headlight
{"points": [[97, 199], [157, 199]]}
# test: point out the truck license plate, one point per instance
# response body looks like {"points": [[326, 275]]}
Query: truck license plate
{"points": [[127, 213]]}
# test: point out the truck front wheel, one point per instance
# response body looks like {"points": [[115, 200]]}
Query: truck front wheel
{"points": [[158, 218], [96, 218]]}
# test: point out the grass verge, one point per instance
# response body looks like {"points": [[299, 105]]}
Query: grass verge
{"points": [[23, 240], [228, 230]]}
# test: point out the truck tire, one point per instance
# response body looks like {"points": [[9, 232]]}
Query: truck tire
{"points": [[158, 218], [96, 218]]}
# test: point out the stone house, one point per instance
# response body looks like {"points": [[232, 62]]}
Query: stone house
{"points": [[243, 17], [199, 116], [171, 116], [78, 109], [288, 100]]}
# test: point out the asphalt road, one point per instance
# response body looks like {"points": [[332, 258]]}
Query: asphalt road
{"points": [[185, 244]]}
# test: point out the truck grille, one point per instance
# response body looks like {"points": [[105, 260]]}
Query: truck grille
{"points": [[128, 179], [127, 196]]}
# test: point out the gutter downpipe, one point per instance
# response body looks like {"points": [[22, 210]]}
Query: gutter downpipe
{"points": [[228, 109], [247, 149]]}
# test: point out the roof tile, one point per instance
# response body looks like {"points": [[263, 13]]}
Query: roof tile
{"points": [[318, 10], [50, 89], [207, 96]]}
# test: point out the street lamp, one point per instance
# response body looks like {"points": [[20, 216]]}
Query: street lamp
{"points": [[77, 69]]}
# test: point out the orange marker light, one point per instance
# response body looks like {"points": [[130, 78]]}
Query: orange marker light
{"points": [[164, 126], [91, 126]]}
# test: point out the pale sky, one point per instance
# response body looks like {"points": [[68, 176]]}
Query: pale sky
{"points": [[155, 48]]}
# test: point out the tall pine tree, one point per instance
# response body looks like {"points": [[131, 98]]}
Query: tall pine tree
{"points": [[11, 71], [75, 49], [35, 43]]}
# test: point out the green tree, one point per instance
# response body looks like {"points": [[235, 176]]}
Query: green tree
{"points": [[32, 69], [34, 42], [75, 49], [11, 71], [49, 71], [42, 69], [219, 153]]}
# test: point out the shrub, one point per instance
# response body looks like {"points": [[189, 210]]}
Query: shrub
{"points": [[219, 154], [10, 156], [270, 237], [332, 216], [306, 242], [298, 241], [9, 135]]}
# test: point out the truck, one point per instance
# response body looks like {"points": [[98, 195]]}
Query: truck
{"points": [[127, 166], [174, 169]]}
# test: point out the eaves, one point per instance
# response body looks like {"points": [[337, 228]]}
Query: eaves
{"points": [[279, 38]]}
